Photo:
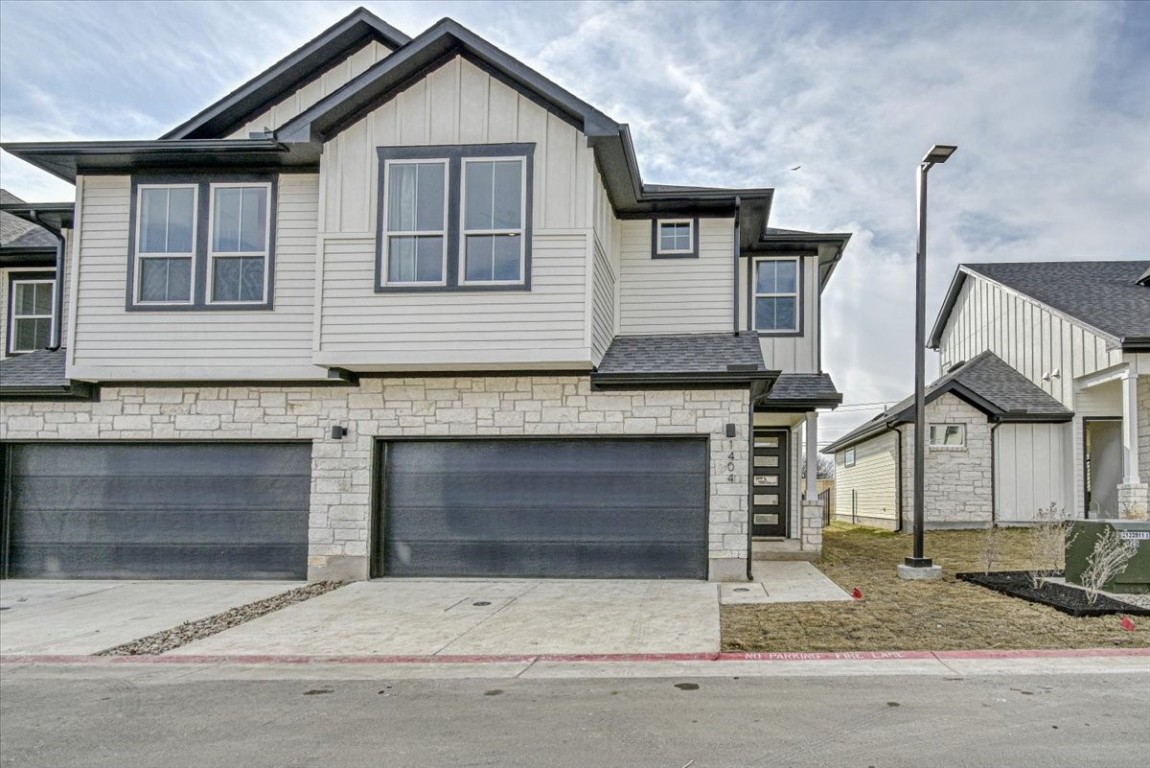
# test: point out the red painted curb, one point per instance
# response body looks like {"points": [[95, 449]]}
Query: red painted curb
{"points": [[589, 658]]}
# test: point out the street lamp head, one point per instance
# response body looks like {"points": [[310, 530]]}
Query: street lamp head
{"points": [[939, 153]]}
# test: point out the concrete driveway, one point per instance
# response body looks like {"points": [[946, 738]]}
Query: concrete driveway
{"points": [[429, 617], [85, 617]]}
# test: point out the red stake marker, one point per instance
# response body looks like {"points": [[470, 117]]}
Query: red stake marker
{"points": [[1127, 623], [857, 594]]}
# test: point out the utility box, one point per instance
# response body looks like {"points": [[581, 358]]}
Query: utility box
{"points": [[1084, 535]]}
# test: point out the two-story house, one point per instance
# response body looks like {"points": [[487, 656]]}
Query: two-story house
{"points": [[1044, 399], [403, 307]]}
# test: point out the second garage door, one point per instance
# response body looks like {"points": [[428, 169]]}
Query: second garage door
{"points": [[157, 511], [574, 508]]}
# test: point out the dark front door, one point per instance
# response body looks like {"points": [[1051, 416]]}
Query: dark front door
{"points": [[769, 483], [567, 508], [157, 511]]}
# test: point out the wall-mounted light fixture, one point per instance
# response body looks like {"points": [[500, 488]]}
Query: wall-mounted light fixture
{"points": [[338, 432], [731, 430]]}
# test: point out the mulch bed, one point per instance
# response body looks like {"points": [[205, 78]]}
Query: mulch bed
{"points": [[1070, 600], [162, 642]]}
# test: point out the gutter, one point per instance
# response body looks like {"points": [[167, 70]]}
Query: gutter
{"points": [[756, 379], [58, 299], [993, 476], [1135, 343]]}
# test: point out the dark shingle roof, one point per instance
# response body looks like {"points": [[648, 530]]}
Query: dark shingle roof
{"points": [[797, 388], [34, 369], [987, 383], [1105, 295], [18, 233], [683, 353]]}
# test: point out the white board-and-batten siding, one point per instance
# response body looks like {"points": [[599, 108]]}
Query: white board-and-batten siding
{"points": [[319, 87], [676, 295], [1030, 472], [1028, 336], [111, 343], [868, 490]]}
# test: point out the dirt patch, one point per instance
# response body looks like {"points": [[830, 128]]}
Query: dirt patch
{"points": [[169, 639], [894, 614], [1058, 596]]}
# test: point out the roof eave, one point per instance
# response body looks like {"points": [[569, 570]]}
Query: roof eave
{"points": [[73, 390], [1135, 343], [948, 302], [684, 378]]}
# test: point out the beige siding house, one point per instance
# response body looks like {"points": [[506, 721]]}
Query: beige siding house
{"points": [[1045, 402], [405, 307]]}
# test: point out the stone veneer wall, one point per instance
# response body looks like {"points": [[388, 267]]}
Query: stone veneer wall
{"points": [[958, 491], [340, 527]]}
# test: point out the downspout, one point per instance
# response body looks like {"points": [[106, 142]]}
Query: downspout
{"points": [[58, 297], [993, 477], [898, 477], [735, 304]]}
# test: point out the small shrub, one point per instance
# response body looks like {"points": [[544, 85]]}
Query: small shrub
{"points": [[1049, 537], [1110, 557], [989, 547]]}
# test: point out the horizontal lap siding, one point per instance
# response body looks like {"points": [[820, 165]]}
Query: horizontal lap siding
{"points": [[357, 319], [310, 93], [111, 341], [872, 479], [667, 296], [603, 323]]}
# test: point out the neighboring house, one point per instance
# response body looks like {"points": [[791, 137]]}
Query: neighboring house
{"points": [[1047, 402], [405, 307]]}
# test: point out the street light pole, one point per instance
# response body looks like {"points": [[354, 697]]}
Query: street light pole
{"points": [[920, 566]]}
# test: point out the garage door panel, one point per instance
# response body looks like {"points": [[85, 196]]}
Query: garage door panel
{"points": [[159, 510], [524, 507], [137, 561], [534, 559], [614, 489]]}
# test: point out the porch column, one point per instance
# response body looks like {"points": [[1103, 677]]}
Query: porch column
{"points": [[1130, 428], [812, 491], [1134, 492]]}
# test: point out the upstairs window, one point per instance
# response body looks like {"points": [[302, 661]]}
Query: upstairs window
{"points": [[849, 458], [239, 243], [30, 319], [201, 243], [776, 295], [416, 222], [455, 218], [166, 244], [493, 220], [675, 238]]}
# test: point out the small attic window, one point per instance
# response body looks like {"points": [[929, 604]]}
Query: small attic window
{"points": [[675, 238]]}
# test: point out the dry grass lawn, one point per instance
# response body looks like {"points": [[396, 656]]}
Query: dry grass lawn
{"points": [[906, 616]]}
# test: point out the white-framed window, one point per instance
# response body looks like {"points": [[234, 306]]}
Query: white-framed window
{"points": [[675, 237], [849, 457], [776, 295], [165, 243], [415, 222], [948, 435], [30, 319], [239, 234], [492, 220]]}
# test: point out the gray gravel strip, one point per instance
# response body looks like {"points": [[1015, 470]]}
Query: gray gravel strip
{"points": [[162, 642]]}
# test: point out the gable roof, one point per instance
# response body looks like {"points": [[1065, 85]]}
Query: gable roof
{"points": [[987, 383], [1110, 297], [349, 34]]}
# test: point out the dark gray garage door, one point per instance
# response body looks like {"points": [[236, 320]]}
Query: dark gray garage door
{"points": [[583, 508], [158, 511]]}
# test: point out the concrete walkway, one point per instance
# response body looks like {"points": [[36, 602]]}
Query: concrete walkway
{"points": [[782, 581], [85, 617], [427, 617]]}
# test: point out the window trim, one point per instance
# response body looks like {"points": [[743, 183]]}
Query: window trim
{"points": [[849, 457], [454, 154], [753, 294], [386, 233], [213, 255], [200, 293], [35, 278], [658, 253], [944, 446], [464, 231], [137, 256]]}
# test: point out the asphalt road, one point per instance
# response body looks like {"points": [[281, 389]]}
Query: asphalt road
{"points": [[140, 718]]}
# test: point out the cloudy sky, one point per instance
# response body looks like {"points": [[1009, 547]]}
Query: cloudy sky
{"points": [[1049, 104]]}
